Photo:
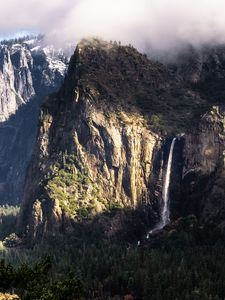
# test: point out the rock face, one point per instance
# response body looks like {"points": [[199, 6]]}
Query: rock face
{"points": [[16, 79], [104, 139], [200, 190], [28, 72], [202, 184], [96, 153]]}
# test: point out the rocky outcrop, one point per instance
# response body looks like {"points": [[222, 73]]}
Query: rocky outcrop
{"points": [[97, 153], [28, 71], [104, 139]]}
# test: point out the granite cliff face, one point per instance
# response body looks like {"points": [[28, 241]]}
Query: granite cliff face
{"points": [[104, 139], [96, 153], [202, 184], [201, 187], [28, 71], [16, 79]]}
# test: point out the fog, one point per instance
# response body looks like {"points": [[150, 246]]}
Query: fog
{"points": [[161, 25]]}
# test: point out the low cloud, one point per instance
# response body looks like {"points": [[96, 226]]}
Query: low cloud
{"points": [[162, 25]]}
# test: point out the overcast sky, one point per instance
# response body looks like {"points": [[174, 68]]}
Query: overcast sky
{"points": [[163, 24]]}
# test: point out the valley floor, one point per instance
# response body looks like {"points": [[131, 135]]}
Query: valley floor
{"points": [[186, 262]]}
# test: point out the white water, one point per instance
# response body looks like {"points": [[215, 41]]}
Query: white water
{"points": [[165, 217], [165, 214]]}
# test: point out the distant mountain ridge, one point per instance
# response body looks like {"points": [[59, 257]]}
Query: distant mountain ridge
{"points": [[26, 65], [29, 70]]}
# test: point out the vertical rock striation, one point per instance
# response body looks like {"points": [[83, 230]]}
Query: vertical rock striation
{"points": [[28, 72], [94, 151], [102, 141]]}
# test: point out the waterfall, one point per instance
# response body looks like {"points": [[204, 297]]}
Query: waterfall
{"points": [[165, 213], [165, 217]]}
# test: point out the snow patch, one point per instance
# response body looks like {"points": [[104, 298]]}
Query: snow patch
{"points": [[30, 42], [35, 49], [55, 58]]}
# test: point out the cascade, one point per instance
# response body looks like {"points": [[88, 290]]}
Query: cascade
{"points": [[165, 217], [165, 213]]}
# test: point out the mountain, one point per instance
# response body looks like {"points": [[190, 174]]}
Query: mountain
{"points": [[29, 70], [105, 137], [125, 184]]}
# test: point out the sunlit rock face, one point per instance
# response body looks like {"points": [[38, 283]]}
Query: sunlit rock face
{"points": [[16, 82], [104, 141], [94, 140], [25, 68], [29, 70]]}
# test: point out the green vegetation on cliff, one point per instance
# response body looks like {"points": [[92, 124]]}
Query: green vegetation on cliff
{"points": [[68, 184]]}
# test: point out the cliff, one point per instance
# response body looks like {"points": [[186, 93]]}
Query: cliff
{"points": [[202, 183], [29, 70], [104, 139], [200, 189]]}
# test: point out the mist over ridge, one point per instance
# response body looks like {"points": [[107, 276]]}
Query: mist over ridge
{"points": [[159, 25]]}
